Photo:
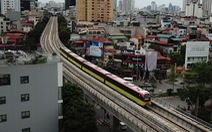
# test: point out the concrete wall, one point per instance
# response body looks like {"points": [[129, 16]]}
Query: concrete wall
{"points": [[43, 103]]}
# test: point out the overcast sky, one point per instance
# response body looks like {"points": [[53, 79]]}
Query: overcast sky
{"points": [[139, 3]]}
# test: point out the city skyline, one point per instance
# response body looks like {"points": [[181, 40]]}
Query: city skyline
{"points": [[138, 3]]}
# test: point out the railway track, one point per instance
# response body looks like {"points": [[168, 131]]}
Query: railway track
{"points": [[148, 118]]}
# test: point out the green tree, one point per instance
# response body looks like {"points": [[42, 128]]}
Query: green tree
{"points": [[197, 92], [64, 32], [178, 58], [195, 96], [156, 48], [79, 116], [33, 37]]}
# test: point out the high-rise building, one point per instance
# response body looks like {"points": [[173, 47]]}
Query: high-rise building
{"points": [[128, 5], [185, 2], [115, 5], [30, 97], [10, 4], [206, 6], [95, 10], [153, 6], [28, 4], [194, 9], [69, 3], [120, 5], [52, 4], [170, 7]]}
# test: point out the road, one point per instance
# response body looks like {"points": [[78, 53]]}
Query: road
{"points": [[161, 88]]}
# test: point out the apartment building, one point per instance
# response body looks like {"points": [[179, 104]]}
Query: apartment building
{"points": [[5, 24], [194, 9], [94, 10], [128, 5], [10, 4], [30, 97], [196, 51]]}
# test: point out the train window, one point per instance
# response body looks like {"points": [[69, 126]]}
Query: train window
{"points": [[146, 97], [130, 79]]}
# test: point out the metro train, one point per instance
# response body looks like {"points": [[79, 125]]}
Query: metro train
{"points": [[126, 88]]}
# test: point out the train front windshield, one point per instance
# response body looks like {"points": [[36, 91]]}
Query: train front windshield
{"points": [[146, 97]]}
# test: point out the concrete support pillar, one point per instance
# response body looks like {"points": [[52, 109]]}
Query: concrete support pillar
{"points": [[115, 124]]}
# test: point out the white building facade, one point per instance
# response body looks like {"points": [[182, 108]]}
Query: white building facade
{"points": [[185, 2], [194, 9], [4, 24], [196, 51], [206, 5], [10, 4], [128, 5], [30, 98]]}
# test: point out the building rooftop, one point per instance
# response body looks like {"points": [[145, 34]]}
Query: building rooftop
{"points": [[164, 36], [22, 58]]}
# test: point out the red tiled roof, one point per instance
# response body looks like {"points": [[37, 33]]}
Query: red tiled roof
{"points": [[32, 15], [151, 36], [78, 42], [28, 24], [160, 57], [163, 43], [17, 31], [11, 36], [138, 36], [95, 39], [9, 41], [165, 32]]}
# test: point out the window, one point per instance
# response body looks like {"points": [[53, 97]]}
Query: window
{"points": [[26, 130], [2, 100], [25, 97], [4, 79], [25, 114], [24, 79], [3, 118]]}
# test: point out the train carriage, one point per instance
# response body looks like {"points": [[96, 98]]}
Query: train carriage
{"points": [[64, 52], [128, 89], [118, 84], [94, 71]]}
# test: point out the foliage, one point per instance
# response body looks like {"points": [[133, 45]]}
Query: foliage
{"points": [[64, 32], [203, 114], [169, 92], [197, 90], [156, 48], [33, 37], [120, 70], [172, 75], [178, 58], [79, 116], [192, 93], [153, 83], [37, 60], [72, 18]]}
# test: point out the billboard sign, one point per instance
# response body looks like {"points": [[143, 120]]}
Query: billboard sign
{"points": [[94, 49]]}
